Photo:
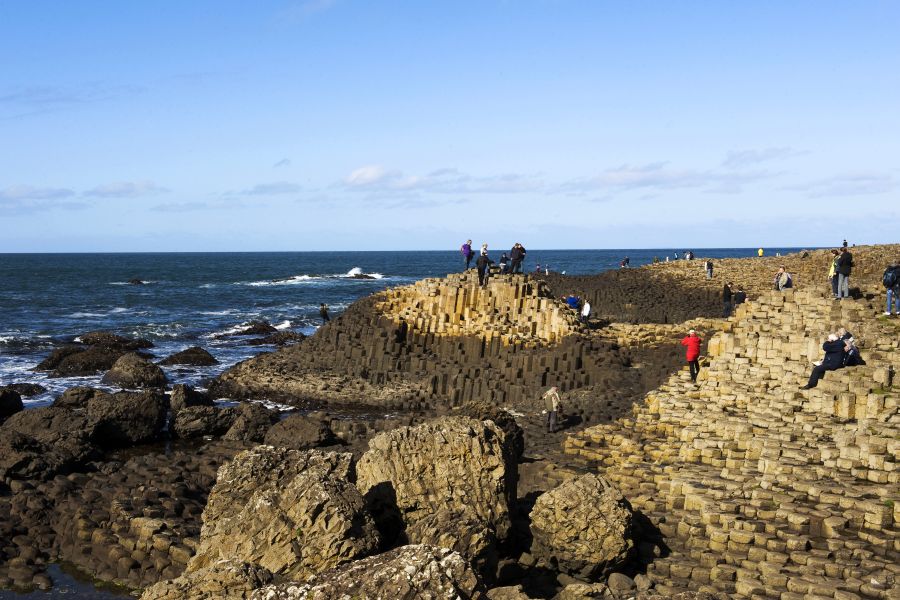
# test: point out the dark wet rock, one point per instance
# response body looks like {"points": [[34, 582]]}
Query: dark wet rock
{"points": [[136, 281], [256, 328], [360, 276], [78, 397], [26, 389], [282, 338], [107, 338], [41, 442], [133, 371], [252, 423], [194, 355], [415, 572], [199, 421], [10, 403], [127, 418], [184, 395], [300, 432], [56, 357]]}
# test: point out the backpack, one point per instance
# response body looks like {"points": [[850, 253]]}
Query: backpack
{"points": [[790, 281], [891, 277]]}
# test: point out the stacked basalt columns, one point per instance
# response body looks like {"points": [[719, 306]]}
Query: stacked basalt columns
{"points": [[762, 490]]}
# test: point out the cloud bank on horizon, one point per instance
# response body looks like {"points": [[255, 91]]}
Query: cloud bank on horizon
{"points": [[351, 125]]}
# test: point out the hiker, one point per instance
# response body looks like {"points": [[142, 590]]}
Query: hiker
{"points": [[516, 258], [483, 264], [833, 274], [844, 267], [553, 408], [504, 263], [572, 301], [709, 268], [323, 312], [834, 360], [783, 279], [891, 281], [726, 300], [759, 253], [586, 312], [692, 341], [740, 297], [467, 252]]}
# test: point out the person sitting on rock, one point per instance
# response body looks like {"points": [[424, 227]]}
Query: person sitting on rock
{"points": [[692, 341], [834, 360], [553, 408], [783, 279]]}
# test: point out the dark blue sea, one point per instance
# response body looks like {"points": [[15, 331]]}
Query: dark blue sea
{"points": [[204, 298]]}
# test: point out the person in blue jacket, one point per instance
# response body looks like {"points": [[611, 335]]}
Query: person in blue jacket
{"points": [[834, 360]]}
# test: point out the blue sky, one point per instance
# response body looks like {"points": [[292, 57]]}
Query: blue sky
{"points": [[367, 124]]}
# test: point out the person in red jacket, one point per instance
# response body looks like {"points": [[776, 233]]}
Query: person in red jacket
{"points": [[692, 341]]}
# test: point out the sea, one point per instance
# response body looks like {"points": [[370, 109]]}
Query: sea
{"points": [[207, 299]]}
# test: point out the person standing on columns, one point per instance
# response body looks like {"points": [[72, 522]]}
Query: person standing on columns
{"points": [[467, 252], [552, 406], [844, 267], [692, 341]]}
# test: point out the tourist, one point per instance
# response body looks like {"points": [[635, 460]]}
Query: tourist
{"points": [[726, 300], [586, 312], [844, 267], [759, 253], [504, 263], [537, 268], [553, 408], [573, 301], [834, 360], [466, 250], [546, 269], [516, 257], [709, 268], [845, 244], [692, 341], [483, 264], [783, 279], [891, 281], [851, 356], [626, 262], [323, 312], [740, 296], [833, 274]]}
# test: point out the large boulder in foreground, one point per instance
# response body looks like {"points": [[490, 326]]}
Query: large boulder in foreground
{"points": [[301, 432], [224, 580], [416, 572], [10, 403], [583, 528], [127, 418], [132, 371], [194, 356], [451, 463], [293, 513], [41, 442]]}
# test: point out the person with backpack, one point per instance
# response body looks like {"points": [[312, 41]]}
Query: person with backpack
{"points": [[692, 341], [467, 252], [783, 279], [553, 408], [844, 267], [891, 281]]}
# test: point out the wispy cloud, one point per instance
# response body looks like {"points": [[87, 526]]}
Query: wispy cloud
{"points": [[658, 177], [37, 99], [850, 184], [284, 162], [271, 189], [377, 179], [125, 189], [744, 158], [23, 199]]}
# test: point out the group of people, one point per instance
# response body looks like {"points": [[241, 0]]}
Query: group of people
{"points": [[581, 306], [839, 272], [731, 298], [840, 351], [509, 263]]}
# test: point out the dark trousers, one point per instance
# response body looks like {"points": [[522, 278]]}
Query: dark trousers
{"points": [[552, 417], [695, 368], [469, 261], [481, 276], [726, 312], [516, 265], [834, 283], [817, 374]]}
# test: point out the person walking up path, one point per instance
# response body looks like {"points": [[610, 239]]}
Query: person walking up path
{"points": [[844, 268], [552, 406], [692, 341], [891, 281]]}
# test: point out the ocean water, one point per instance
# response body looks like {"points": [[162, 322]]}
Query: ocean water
{"points": [[202, 299]]}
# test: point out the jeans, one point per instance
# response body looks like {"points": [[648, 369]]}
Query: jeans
{"points": [[551, 421], [843, 286], [695, 369], [893, 293], [834, 285], [709, 273], [468, 260], [726, 312]]}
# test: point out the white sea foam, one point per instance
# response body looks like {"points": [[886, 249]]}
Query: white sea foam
{"points": [[282, 325], [86, 315], [356, 271], [218, 313], [286, 281]]}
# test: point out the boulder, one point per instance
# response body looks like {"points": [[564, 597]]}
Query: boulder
{"points": [[460, 531], [26, 389], [136, 281], [127, 418], [183, 396], [195, 355], [41, 442], [416, 572], [107, 338], [585, 591], [294, 513], [256, 328], [300, 432], [282, 338], [252, 422], [10, 403], [451, 463], [133, 371], [510, 592], [199, 421], [78, 397], [583, 528], [226, 580]]}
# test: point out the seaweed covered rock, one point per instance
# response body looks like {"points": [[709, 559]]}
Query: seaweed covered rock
{"points": [[195, 356], [225, 580], [199, 421], [451, 463], [583, 527], [415, 572], [133, 371], [10, 403], [127, 418], [294, 513], [300, 432], [41, 442]]}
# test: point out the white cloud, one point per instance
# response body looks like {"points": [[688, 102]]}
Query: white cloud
{"points": [[125, 189], [375, 178], [272, 189], [657, 176], [742, 158], [850, 184], [18, 193]]}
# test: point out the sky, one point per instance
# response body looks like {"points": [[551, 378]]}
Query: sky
{"points": [[229, 125]]}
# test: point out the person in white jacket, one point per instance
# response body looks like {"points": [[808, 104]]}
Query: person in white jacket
{"points": [[585, 312]]}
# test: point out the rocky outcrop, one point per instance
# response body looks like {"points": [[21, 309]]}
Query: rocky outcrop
{"points": [[582, 528], [252, 422], [107, 338], [414, 572], [255, 328], [78, 397], [452, 463], [294, 513], [300, 432], [282, 338], [127, 418], [10, 403], [195, 356], [461, 531], [183, 396], [41, 442], [94, 352], [132, 371], [200, 421], [223, 580], [25, 389]]}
